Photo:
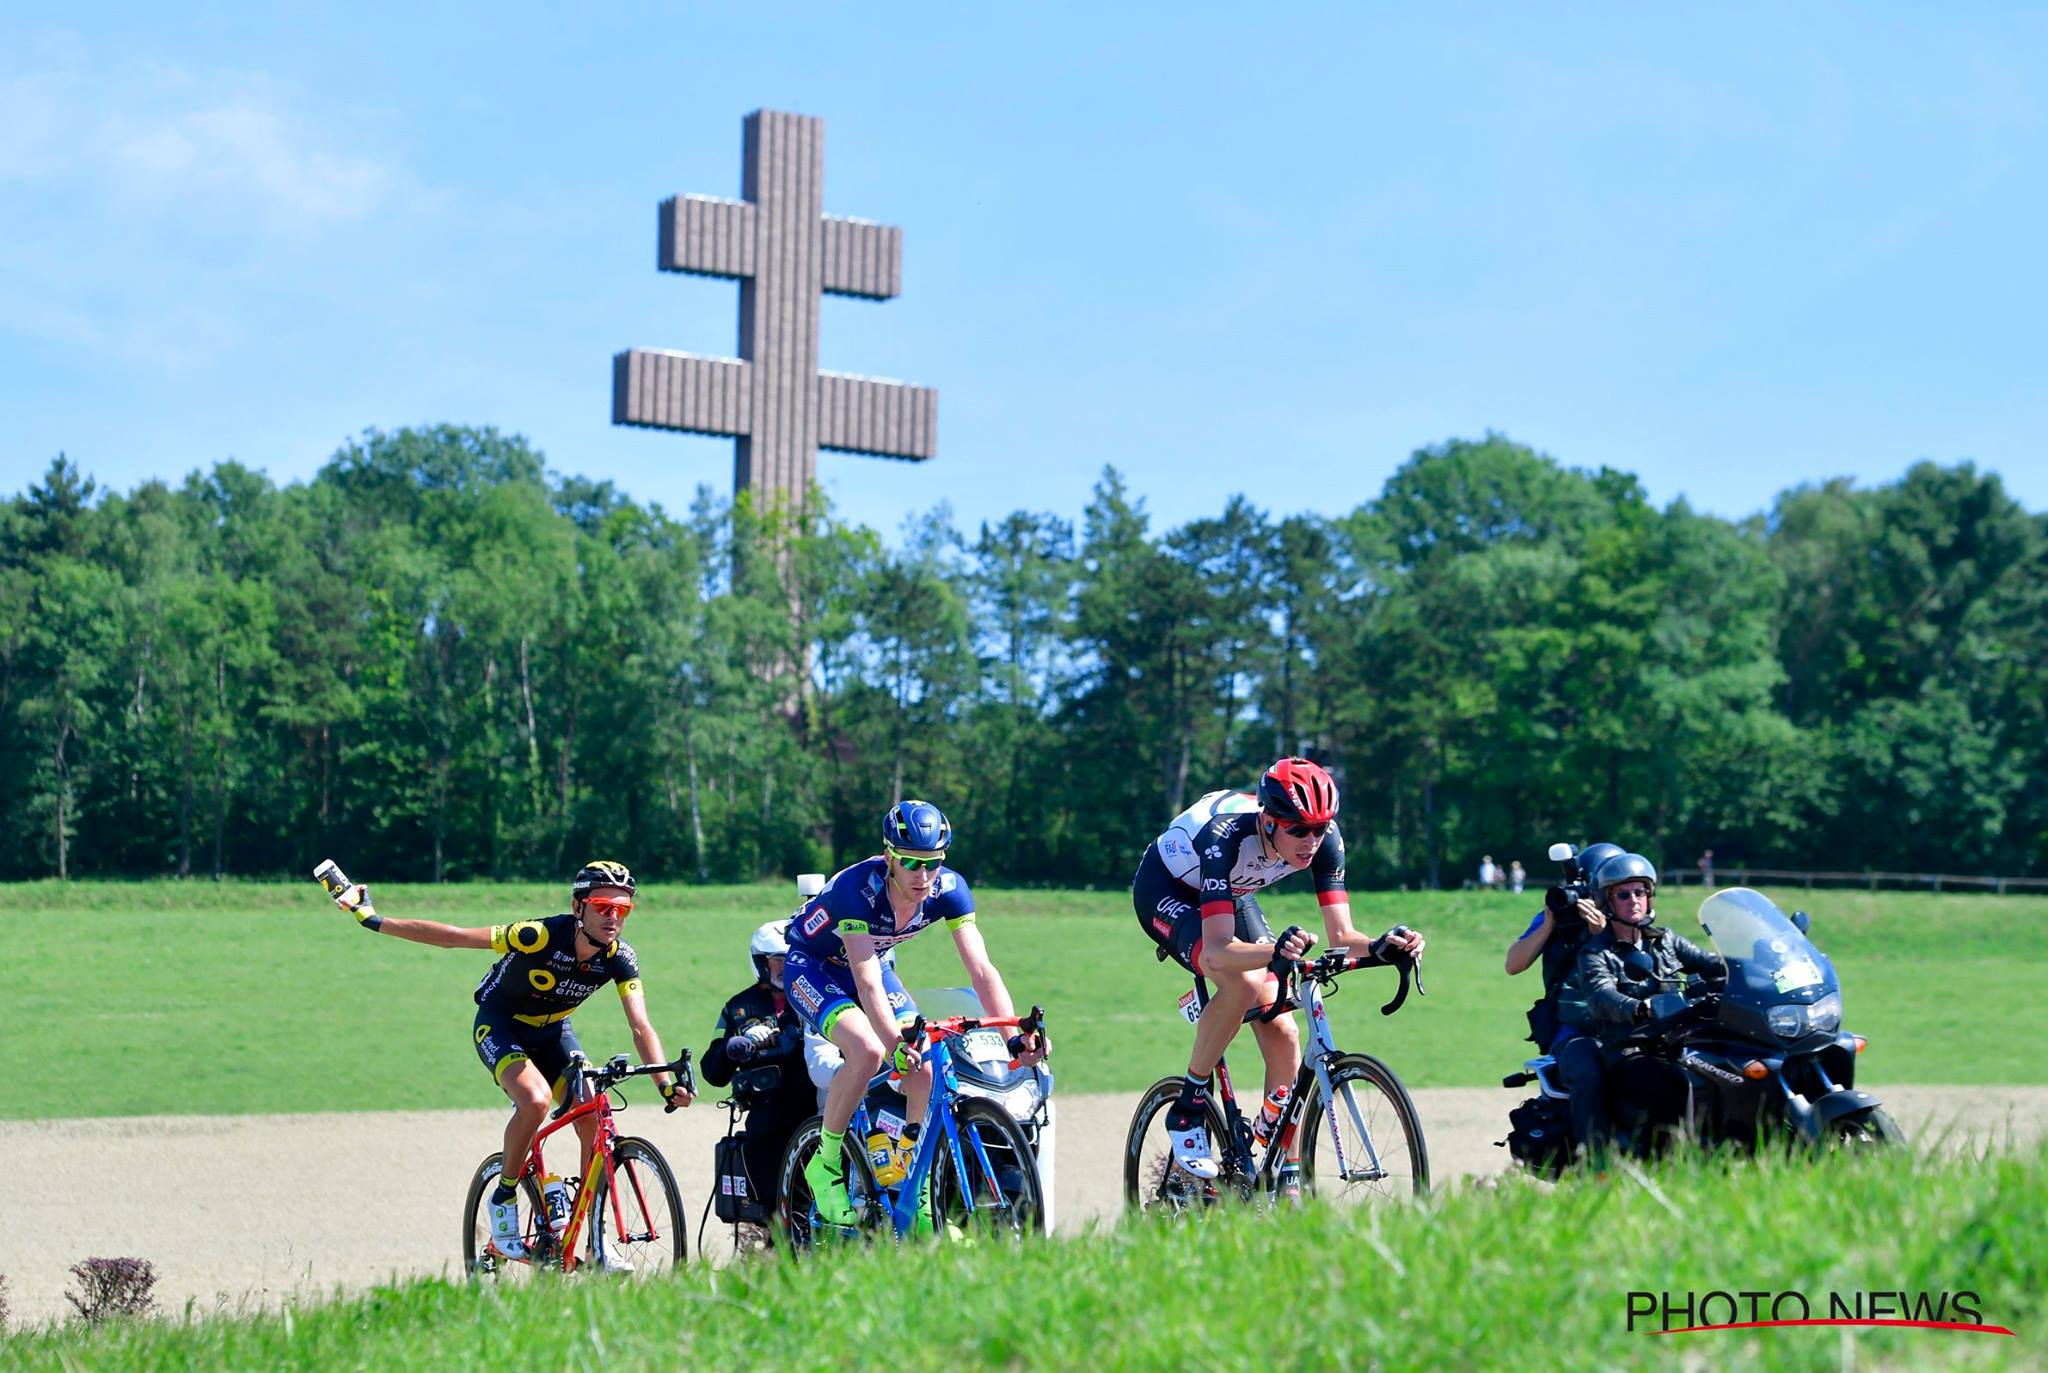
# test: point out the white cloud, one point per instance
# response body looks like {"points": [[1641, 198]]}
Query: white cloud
{"points": [[153, 212], [207, 150]]}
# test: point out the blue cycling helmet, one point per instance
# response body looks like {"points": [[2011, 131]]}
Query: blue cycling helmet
{"points": [[916, 825]]}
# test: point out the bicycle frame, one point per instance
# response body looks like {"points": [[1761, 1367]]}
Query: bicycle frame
{"points": [[1318, 1062], [1321, 1050], [940, 1125], [599, 1105]]}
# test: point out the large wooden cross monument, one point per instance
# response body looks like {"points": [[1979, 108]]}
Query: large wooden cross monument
{"points": [[786, 253]]}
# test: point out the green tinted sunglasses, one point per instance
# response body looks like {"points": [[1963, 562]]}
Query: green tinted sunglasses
{"points": [[911, 864]]}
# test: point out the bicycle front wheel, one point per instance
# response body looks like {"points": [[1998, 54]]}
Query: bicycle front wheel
{"points": [[1001, 1193], [478, 1259], [1153, 1183], [796, 1213], [1365, 1143], [636, 1216]]}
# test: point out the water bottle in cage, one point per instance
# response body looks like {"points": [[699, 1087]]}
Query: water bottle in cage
{"points": [[1269, 1113]]}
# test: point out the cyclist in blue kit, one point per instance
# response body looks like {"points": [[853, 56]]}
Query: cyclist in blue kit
{"points": [[847, 994]]}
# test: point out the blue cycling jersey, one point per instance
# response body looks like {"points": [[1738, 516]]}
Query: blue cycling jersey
{"points": [[856, 901]]}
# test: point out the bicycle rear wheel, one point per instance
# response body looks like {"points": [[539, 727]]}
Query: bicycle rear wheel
{"points": [[649, 1207], [1365, 1144], [1153, 1184], [477, 1258], [1001, 1194]]}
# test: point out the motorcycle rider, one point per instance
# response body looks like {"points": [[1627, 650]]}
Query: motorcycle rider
{"points": [[1619, 970], [759, 1048]]}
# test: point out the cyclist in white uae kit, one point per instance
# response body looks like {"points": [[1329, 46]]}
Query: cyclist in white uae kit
{"points": [[1194, 897]]}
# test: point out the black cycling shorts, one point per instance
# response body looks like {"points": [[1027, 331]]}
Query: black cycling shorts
{"points": [[501, 1042], [1174, 922]]}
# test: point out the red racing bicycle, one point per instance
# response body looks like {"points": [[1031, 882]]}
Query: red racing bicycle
{"points": [[627, 1202]]}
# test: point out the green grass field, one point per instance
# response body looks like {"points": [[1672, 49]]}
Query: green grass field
{"points": [[1471, 1281], [196, 997]]}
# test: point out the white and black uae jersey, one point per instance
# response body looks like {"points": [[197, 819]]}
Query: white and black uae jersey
{"points": [[1212, 848]]}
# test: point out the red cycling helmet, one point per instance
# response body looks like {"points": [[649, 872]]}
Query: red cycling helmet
{"points": [[1298, 791]]}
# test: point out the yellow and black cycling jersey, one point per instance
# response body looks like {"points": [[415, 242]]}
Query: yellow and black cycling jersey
{"points": [[540, 981]]}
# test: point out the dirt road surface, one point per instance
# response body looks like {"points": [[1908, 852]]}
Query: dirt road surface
{"points": [[240, 1212]]}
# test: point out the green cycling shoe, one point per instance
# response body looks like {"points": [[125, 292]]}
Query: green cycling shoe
{"points": [[827, 1180]]}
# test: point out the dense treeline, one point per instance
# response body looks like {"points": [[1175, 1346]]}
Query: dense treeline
{"points": [[436, 659]]}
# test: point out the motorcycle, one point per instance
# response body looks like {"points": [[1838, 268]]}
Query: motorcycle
{"points": [[1761, 1055]]}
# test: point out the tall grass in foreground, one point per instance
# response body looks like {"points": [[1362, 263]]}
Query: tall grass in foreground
{"points": [[1515, 1276]]}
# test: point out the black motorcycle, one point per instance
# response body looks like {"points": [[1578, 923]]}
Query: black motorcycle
{"points": [[1759, 1057]]}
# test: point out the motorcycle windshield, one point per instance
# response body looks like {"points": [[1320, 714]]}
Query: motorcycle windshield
{"points": [[1770, 962]]}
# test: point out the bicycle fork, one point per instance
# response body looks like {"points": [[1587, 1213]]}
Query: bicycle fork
{"points": [[1323, 1053]]}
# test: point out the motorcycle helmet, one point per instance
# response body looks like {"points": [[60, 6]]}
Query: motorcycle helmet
{"points": [[1593, 855], [1626, 867], [768, 942]]}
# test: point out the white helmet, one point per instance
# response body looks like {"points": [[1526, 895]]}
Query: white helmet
{"points": [[768, 942]]}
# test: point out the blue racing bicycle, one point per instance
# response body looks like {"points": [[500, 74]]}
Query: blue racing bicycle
{"points": [[980, 1167]]}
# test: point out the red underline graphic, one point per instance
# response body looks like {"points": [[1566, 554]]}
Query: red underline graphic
{"points": [[1772, 1325]]}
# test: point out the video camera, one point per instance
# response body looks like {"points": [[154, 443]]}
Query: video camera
{"points": [[1563, 899]]}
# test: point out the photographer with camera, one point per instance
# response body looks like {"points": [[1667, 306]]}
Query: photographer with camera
{"points": [[759, 1050], [1559, 1022]]}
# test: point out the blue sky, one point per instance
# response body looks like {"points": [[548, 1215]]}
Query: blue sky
{"points": [[1728, 248]]}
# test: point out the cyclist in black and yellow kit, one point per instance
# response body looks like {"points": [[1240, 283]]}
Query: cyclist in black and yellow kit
{"points": [[546, 969]]}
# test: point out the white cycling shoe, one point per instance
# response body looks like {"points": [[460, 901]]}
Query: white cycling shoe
{"points": [[612, 1263], [1191, 1152], [506, 1239]]}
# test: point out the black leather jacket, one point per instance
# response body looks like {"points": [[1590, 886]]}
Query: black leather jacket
{"points": [[1613, 978]]}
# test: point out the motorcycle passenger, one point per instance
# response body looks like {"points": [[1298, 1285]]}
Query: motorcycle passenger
{"points": [[1619, 971], [1194, 897], [1559, 1023], [758, 1049]]}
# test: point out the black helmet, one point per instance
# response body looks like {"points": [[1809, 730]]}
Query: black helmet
{"points": [[1592, 856], [1624, 867], [602, 872]]}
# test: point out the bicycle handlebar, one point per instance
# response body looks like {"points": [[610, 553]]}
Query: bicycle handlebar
{"points": [[619, 1068], [952, 1026], [1325, 971]]}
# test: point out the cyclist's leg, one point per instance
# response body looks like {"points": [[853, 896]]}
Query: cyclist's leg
{"points": [[917, 1087], [503, 1047], [1232, 993], [1279, 1038], [506, 1056], [823, 996], [552, 1057]]}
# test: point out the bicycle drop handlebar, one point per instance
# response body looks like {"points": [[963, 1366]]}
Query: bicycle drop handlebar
{"points": [[1325, 971], [620, 1068], [1027, 1026]]}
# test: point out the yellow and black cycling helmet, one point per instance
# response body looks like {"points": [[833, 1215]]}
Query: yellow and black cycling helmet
{"points": [[602, 872]]}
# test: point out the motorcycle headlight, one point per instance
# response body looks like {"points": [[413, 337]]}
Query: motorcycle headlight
{"points": [[1787, 1022], [1021, 1100], [1825, 1015]]}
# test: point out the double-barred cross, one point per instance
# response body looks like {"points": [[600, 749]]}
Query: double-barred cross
{"points": [[786, 254]]}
